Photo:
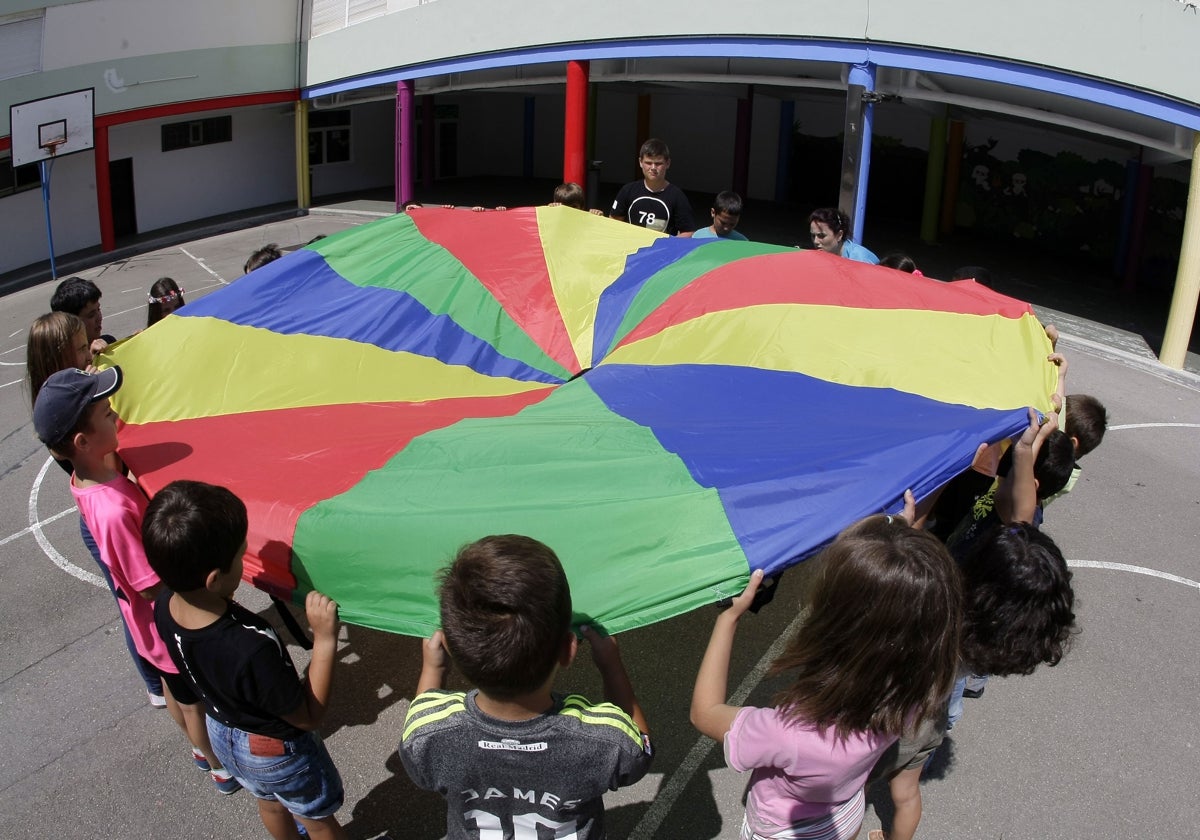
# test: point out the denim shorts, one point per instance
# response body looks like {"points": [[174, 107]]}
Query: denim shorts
{"points": [[303, 779]]}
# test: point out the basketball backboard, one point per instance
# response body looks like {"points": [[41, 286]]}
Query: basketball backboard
{"points": [[52, 127]]}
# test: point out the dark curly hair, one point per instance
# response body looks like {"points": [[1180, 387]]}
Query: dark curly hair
{"points": [[1019, 602]]}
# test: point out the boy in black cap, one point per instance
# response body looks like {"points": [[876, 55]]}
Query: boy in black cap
{"points": [[72, 416]]}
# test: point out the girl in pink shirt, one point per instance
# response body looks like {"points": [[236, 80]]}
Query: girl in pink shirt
{"points": [[877, 651]]}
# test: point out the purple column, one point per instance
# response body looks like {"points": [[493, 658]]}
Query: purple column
{"points": [[404, 149]]}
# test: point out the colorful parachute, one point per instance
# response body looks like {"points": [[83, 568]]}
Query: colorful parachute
{"points": [[667, 414]]}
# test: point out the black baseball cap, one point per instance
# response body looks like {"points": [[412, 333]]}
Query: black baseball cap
{"points": [[66, 396]]}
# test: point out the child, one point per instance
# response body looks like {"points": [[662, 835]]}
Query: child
{"points": [[726, 212], [878, 650], [261, 717], [58, 341], [570, 194], [901, 262], [1042, 460], [165, 297], [652, 202], [512, 755], [829, 229], [72, 416], [1019, 614], [265, 255], [81, 298]]}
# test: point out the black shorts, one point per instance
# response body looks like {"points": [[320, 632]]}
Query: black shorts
{"points": [[181, 688]]}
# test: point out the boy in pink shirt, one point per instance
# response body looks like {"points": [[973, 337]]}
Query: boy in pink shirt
{"points": [[72, 416]]}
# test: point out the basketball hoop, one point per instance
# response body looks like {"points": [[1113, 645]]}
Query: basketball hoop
{"points": [[52, 146]]}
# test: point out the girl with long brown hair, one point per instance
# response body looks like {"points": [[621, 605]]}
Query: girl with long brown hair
{"points": [[877, 652]]}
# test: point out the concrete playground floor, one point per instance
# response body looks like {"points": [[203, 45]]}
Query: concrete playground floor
{"points": [[1104, 745]]}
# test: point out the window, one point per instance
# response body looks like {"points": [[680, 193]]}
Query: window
{"points": [[329, 137], [184, 135], [19, 179], [20, 45]]}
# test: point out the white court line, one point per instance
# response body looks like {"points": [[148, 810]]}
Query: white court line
{"points": [[650, 822], [14, 382], [45, 521], [1155, 426], [35, 527], [1137, 570], [200, 262]]}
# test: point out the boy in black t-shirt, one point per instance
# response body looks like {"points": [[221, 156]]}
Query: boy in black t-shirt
{"points": [[652, 202], [261, 717]]}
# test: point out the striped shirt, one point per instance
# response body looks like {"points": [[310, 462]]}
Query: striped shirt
{"points": [[505, 779]]}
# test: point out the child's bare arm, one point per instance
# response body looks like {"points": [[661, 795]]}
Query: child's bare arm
{"points": [[435, 663], [710, 713], [322, 618], [1058, 398], [1016, 498], [618, 689]]}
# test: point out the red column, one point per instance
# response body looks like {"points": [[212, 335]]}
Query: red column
{"points": [[575, 128], [954, 151], [108, 238]]}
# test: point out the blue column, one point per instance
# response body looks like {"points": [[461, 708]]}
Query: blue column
{"points": [[527, 163], [864, 75], [783, 151]]}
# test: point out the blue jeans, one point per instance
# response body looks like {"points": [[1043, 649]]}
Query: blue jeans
{"points": [[300, 775], [956, 702], [956, 696], [148, 672]]}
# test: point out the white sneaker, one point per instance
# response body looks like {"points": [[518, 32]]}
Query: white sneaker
{"points": [[156, 700]]}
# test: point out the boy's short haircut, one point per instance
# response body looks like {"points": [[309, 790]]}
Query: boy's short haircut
{"points": [[1053, 465], [973, 272], [264, 255], [1019, 602], [191, 529], [506, 610], [654, 148], [728, 202], [570, 194], [63, 405], [1087, 421], [73, 294]]}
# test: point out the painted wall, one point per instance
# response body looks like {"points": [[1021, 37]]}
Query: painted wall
{"points": [[256, 168], [140, 53], [373, 131], [1147, 44], [73, 213]]}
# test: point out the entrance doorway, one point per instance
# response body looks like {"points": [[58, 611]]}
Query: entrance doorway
{"points": [[124, 211]]}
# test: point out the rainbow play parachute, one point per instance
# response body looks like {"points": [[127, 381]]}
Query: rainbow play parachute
{"points": [[667, 414]]}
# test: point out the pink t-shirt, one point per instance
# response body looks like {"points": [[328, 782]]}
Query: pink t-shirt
{"points": [[113, 512], [799, 773]]}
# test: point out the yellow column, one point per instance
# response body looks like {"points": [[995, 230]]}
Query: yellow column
{"points": [[303, 187], [1187, 281]]}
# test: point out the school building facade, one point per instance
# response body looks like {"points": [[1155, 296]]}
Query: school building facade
{"points": [[1072, 125]]}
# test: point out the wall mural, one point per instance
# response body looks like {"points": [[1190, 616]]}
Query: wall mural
{"points": [[1069, 206]]}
